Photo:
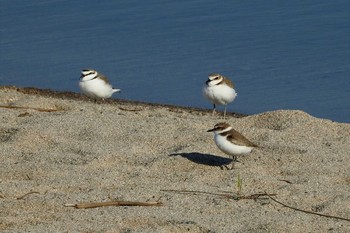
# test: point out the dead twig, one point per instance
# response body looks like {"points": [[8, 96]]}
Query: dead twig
{"points": [[24, 114], [224, 195], [113, 203], [306, 211], [130, 110], [23, 196], [287, 181], [37, 109]]}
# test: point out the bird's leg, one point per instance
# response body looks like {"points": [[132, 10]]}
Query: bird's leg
{"points": [[214, 107], [234, 159], [225, 111]]}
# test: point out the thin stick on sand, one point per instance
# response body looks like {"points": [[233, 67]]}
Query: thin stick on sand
{"points": [[224, 195], [23, 196], [37, 109], [113, 203], [130, 110], [306, 211]]}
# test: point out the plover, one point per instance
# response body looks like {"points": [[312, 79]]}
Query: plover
{"points": [[95, 85], [230, 141], [219, 90]]}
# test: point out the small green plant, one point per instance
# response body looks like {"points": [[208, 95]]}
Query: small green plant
{"points": [[239, 183]]}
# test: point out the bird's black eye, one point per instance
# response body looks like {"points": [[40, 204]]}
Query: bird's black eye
{"points": [[216, 78]]}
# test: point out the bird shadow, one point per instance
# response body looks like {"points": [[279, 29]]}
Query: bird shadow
{"points": [[205, 159]]}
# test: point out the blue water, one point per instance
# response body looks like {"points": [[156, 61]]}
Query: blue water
{"points": [[279, 54]]}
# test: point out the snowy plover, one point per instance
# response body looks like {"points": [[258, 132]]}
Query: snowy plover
{"points": [[230, 141], [95, 85], [219, 90]]}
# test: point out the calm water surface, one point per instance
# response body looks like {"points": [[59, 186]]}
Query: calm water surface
{"points": [[280, 54]]}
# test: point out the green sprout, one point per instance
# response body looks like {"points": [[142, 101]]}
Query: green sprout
{"points": [[239, 183]]}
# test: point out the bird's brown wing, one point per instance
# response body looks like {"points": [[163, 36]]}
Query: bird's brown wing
{"points": [[104, 78], [238, 139], [229, 82]]}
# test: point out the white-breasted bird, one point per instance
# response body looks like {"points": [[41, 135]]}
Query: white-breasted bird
{"points": [[95, 85], [219, 90], [230, 141]]}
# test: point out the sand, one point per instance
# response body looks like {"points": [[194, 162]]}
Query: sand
{"points": [[82, 151]]}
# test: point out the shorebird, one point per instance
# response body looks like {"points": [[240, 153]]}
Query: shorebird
{"points": [[230, 141], [219, 90], [95, 85]]}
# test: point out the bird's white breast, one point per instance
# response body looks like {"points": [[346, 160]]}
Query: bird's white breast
{"points": [[230, 148], [219, 94], [96, 88]]}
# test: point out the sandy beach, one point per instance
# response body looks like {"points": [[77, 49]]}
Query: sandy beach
{"points": [[63, 148]]}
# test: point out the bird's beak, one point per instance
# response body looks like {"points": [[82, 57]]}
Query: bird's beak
{"points": [[207, 82], [210, 130]]}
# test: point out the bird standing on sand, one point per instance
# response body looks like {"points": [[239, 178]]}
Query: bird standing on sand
{"points": [[230, 141], [95, 85], [219, 90]]}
